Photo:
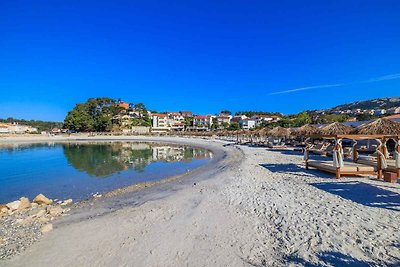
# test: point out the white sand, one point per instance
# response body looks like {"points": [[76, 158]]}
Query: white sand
{"points": [[245, 214]]}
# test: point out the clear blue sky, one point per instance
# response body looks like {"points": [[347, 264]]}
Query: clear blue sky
{"points": [[202, 56]]}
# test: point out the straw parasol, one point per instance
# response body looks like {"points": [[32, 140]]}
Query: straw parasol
{"points": [[380, 126], [336, 128], [262, 132], [306, 129], [279, 132]]}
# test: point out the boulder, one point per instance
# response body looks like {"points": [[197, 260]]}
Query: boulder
{"points": [[47, 228], [55, 211], [66, 202], [3, 209], [24, 203], [13, 205], [40, 213], [42, 200]]}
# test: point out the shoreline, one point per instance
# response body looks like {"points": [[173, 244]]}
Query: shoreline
{"points": [[80, 205], [251, 207], [122, 189]]}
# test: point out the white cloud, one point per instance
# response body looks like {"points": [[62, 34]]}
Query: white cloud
{"points": [[378, 79], [305, 88]]}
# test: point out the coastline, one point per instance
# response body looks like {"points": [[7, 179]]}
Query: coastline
{"points": [[79, 207], [249, 207]]}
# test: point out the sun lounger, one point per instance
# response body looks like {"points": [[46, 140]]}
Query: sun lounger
{"points": [[349, 168], [319, 149], [391, 164]]}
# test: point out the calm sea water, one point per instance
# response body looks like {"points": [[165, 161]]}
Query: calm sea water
{"points": [[78, 170]]}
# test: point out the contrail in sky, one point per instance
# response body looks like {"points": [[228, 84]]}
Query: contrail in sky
{"points": [[378, 79]]}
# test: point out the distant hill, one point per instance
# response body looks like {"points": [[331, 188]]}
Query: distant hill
{"points": [[379, 103]]}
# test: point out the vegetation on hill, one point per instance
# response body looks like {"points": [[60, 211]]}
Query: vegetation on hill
{"points": [[379, 103], [144, 119], [40, 125], [252, 113], [95, 115]]}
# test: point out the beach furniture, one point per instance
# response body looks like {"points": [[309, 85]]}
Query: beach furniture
{"points": [[388, 165], [359, 166]]}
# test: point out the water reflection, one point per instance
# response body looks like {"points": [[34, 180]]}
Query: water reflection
{"points": [[102, 160], [66, 170]]}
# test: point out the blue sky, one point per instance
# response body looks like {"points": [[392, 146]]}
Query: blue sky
{"points": [[203, 56]]}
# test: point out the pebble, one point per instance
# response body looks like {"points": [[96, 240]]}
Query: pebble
{"points": [[47, 228]]}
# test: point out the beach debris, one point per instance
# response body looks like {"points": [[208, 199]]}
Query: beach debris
{"points": [[47, 228], [24, 203], [42, 200], [66, 202], [97, 195], [13, 205]]}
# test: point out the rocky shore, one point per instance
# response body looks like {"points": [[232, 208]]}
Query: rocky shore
{"points": [[22, 222]]}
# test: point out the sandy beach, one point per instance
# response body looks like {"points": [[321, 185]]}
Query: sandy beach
{"points": [[249, 206]]}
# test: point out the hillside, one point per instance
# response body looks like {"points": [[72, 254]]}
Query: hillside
{"points": [[379, 103]]}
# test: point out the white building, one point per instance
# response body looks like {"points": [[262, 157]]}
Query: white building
{"points": [[222, 118], [259, 119], [247, 124], [4, 129], [159, 123], [201, 120]]}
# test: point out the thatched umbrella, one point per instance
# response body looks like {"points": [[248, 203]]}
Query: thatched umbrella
{"points": [[279, 132], [380, 126], [336, 128], [306, 129]]}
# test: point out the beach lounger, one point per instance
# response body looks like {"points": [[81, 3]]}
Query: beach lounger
{"points": [[349, 168], [391, 164]]}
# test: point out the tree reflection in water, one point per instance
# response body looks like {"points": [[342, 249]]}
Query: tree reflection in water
{"points": [[105, 159]]}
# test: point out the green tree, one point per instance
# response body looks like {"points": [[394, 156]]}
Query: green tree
{"points": [[227, 112], [188, 121], [215, 124], [302, 119], [94, 115], [330, 118], [234, 126]]}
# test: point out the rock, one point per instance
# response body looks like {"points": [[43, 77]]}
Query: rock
{"points": [[3, 210], [47, 228], [24, 203], [66, 202], [43, 219], [55, 211], [26, 221], [42, 200], [13, 205], [34, 205], [40, 213]]}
